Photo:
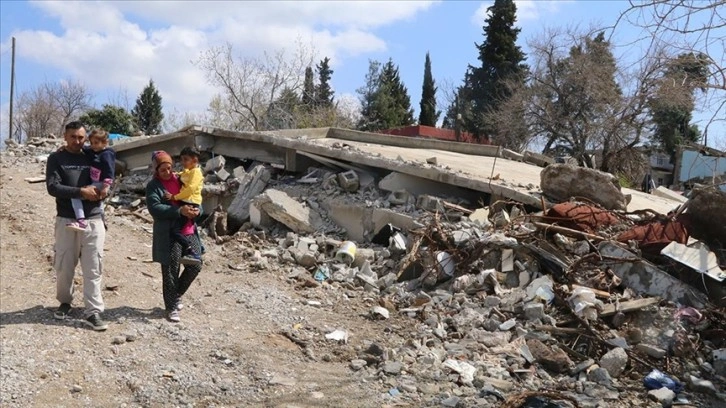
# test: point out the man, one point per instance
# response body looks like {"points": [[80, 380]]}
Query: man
{"points": [[68, 176]]}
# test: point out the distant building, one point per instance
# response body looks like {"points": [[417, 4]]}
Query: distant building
{"points": [[429, 132], [699, 164]]}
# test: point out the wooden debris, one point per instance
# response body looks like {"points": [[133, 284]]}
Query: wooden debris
{"points": [[33, 180], [629, 306]]}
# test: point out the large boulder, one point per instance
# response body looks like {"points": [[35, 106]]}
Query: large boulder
{"points": [[562, 182]]}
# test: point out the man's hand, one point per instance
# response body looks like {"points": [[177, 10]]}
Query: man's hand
{"points": [[189, 211], [168, 196], [90, 193], [104, 192]]}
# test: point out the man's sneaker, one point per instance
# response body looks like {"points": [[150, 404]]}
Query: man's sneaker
{"points": [[173, 316], [179, 304], [96, 323], [191, 259], [79, 225], [63, 310]]}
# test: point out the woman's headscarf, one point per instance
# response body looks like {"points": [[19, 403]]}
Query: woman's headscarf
{"points": [[158, 158]]}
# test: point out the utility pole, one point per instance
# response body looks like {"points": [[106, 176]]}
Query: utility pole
{"points": [[12, 89]]}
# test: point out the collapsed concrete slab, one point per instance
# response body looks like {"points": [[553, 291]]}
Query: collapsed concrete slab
{"points": [[669, 194], [562, 182], [250, 185], [280, 206], [644, 277]]}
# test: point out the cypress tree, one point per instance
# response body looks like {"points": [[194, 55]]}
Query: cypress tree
{"points": [[428, 115], [323, 91], [501, 61], [308, 94]]}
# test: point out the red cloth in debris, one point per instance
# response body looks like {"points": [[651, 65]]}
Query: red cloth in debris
{"points": [[582, 217], [655, 236]]}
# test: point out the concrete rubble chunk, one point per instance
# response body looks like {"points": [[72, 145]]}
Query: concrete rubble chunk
{"points": [[280, 206], [239, 172], [349, 181], [259, 218], [642, 276], [214, 164], [719, 361], [222, 174], [614, 361], [562, 182], [252, 184]]}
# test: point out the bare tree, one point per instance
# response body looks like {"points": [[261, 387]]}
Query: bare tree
{"points": [[686, 26], [579, 99], [71, 99], [250, 85], [38, 115]]}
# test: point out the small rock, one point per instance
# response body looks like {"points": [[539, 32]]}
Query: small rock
{"points": [[317, 395], [379, 312], [534, 311], [508, 325], [551, 359], [451, 402], [76, 388], [358, 364], [600, 376], [662, 395], [392, 367], [118, 340], [699, 385], [582, 366], [614, 361], [281, 380], [650, 350], [408, 387]]}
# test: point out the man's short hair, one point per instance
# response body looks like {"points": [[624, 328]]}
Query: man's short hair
{"points": [[190, 151], [75, 125]]}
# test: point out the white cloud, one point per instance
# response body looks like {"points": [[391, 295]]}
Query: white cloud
{"points": [[527, 10], [120, 45]]}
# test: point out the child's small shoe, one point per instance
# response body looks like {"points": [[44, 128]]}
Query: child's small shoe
{"points": [[78, 225], [191, 259]]}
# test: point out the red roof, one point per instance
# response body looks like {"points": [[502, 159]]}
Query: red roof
{"points": [[433, 133]]}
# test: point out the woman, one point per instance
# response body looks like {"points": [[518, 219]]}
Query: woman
{"points": [[165, 251]]}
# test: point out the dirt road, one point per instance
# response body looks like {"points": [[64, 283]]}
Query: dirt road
{"points": [[227, 351]]}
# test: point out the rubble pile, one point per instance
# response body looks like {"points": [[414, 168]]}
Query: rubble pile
{"points": [[572, 306], [576, 304]]}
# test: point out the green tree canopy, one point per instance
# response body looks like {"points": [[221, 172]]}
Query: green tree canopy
{"points": [[385, 102], [148, 113], [114, 119]]}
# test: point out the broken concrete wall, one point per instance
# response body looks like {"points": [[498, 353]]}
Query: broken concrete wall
{"points": [[362, 223], [252, 184], [562, 182]]}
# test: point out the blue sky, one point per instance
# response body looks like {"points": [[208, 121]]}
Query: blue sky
{"points": [[115, 47]]}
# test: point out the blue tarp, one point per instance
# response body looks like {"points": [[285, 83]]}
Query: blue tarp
{"points": [[116, 136]]}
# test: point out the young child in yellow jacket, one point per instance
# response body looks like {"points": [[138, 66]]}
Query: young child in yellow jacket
{"points": [[192, 181]]}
